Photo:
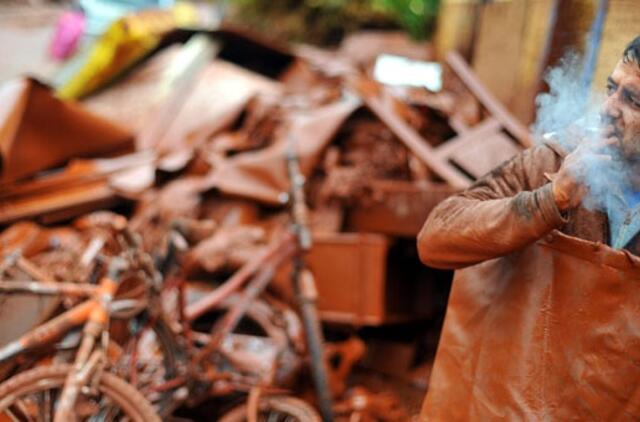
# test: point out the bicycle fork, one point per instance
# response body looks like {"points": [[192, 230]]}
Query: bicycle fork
{"points": [[89, 360]]}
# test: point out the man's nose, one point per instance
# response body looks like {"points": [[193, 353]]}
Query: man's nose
{"points": [[611, 107]]}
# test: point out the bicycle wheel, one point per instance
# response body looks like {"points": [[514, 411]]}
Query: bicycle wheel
{"points": [[264, 320], [276, 409], [33, 395], [151, 359]]}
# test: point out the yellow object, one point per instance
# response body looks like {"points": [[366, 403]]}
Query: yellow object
{"points": [[125, 42]]}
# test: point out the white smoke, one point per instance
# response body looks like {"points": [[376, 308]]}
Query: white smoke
{"points": [[569, 115], [566, 106]]}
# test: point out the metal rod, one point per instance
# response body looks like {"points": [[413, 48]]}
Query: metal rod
{"points": [[47, 288]]}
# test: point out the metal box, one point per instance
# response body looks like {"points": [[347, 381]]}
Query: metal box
{"points": [[359, 282], [399, 209]]}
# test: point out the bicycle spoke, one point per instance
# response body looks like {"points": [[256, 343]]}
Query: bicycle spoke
{"points": [[10, 413], [112, 414], [46, 406], [29, 411], [109, 412], [53, 399], [21, 412], [35, 395]]}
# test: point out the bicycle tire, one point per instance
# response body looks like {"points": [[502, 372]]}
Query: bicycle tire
{"points": [[261, 315], [130, 401], [288, 406], [172, 357]]}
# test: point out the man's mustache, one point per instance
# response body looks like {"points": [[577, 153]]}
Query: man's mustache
{"points": [[609, 128]]}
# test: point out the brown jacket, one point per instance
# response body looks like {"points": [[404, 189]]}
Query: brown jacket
{"points": [[542, 320]]}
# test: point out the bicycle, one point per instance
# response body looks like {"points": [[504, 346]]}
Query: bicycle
{"points": [[165, 384], [193, 365], [83, 390]]}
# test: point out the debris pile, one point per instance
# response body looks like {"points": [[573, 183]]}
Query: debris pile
{"points": [[207, 155]]}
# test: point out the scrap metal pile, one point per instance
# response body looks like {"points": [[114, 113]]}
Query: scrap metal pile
{"points": [[192, 155]]}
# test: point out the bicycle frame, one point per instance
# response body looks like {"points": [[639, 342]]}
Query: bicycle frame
{"points": [[94, 313], [58, 326], [90, 360], [278, 252], [253, 277]]}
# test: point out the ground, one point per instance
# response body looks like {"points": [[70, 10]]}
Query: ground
{"points": [[25, 33]]}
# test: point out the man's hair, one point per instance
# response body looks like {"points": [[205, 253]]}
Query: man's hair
{"points": [[632, 52]]}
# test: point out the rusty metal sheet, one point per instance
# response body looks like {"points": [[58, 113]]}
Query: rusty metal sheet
{"points": [[39, 131], [130, 101], [257, 52], [262, 175], [219, 95], [22, 236], [82, 186], [89, 196]]}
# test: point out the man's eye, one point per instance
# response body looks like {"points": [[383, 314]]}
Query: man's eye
{"points": [[610, 89], [631, 99]]}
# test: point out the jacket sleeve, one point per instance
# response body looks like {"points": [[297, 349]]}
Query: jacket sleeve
{"points": [[505, 210]]}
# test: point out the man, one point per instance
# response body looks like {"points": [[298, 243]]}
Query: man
{"points": [[541, 325]]}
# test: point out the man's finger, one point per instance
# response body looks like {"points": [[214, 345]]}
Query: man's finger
{"points": [[605, 142], [603, 157]]}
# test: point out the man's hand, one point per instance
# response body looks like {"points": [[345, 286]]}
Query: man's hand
{"points": [[568, 185]]}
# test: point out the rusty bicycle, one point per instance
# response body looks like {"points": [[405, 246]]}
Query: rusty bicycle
{"points": [[83, 390], [188, 364]]}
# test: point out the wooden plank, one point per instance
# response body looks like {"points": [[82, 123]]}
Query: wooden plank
{"points": [[534, 54], [77, 172], [479, 158], [458, 125], [97, 192], [488, 100], [512, 50], [476, 134], [620, 28], [456, 27], [498, 46], [412, 140]]}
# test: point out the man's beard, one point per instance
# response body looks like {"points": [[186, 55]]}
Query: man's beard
{"points": [[628, 158], [630, 150]]}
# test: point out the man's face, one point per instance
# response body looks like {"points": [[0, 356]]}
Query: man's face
{"points": [[621, 109]]}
